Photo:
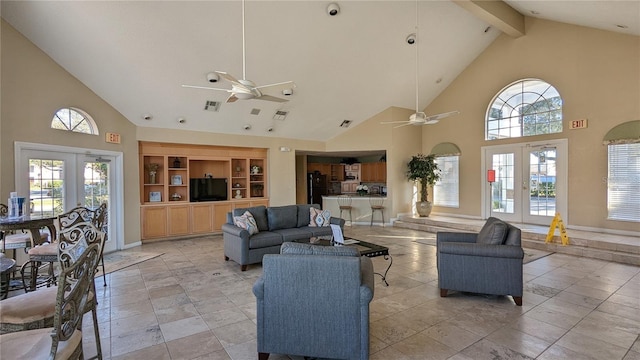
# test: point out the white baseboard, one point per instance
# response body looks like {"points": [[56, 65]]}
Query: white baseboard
{"points": [[132, 245]]}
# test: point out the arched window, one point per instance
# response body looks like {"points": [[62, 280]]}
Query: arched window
{"points": [[524, 108], [76, 120]]}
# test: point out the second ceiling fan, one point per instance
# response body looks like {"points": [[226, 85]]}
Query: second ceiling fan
{"points": [[419, 117], [243, 89]]}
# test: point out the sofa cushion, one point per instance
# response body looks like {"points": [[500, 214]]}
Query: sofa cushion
{"points": [[319, 218], [282, 217], [259, 214], [317, 231], [303, 213], [309, 249], [247, 222], [293, 234], [264, 239], [494, 232]]}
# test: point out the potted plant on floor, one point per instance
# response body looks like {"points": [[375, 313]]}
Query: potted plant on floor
{"points": [[423, 168]]}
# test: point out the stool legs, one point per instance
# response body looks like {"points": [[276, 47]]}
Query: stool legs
{"points": [[373, 212]]}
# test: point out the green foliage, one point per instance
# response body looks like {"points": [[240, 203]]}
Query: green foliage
{"points": [[423, 168]]}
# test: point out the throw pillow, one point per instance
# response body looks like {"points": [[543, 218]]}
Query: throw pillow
{"points": [[319, 218], [246, 222], [494, 232]]}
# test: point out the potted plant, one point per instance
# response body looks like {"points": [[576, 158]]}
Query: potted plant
{"points": [[423, 168]]}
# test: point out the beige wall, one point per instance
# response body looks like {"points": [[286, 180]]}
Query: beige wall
{"points": [[597, 74], [595, 71], [34, 87]]}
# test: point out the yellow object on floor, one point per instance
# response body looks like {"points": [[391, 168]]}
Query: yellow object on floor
{"points": [[557, 222]]}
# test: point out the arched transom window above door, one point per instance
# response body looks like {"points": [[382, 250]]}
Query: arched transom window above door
{"points": [[73, 119], [524, 108]]}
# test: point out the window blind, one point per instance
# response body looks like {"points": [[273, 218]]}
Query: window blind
{"points": [[623, 182], [446, 190]]}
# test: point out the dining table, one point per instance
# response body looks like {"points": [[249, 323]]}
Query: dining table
{"points": [[32, 223]]}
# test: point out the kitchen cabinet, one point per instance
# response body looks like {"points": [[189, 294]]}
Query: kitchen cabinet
{"points": [[337, 172], [324, 169], [374, 172], [178, 222], [349, 186]]}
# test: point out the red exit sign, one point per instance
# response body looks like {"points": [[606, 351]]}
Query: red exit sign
{"points": [[579, 124], [113, 138]]}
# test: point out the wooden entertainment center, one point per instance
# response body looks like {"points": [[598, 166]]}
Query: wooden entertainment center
{"points": [[166, 209]]}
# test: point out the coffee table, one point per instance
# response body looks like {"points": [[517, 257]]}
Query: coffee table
{"points": [[366, 249]]}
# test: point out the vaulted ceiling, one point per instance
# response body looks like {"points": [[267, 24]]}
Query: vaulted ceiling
{"points": [[137, 54]]}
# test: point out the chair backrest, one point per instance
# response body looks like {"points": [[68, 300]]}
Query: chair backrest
{"points": [[74, 240], [74, 283], [376, 201], [83, 214], [4, 210], [344, 200]]}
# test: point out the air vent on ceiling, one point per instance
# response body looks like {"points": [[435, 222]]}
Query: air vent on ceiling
{"points": [[280, 115], [255, 111], [345, 123], [212, 105]]}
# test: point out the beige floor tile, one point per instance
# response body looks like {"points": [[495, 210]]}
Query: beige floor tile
{"points": [[539, 329], [131, 309], [137, 340], [519, 342], [557, 352], [421, 346], [193, 346], [155, 352], [131, 323], [591, 346], [175, 313], [224, 317], [183, 327], [488, 350], [452, 336], [390, 330], [236, 333]]}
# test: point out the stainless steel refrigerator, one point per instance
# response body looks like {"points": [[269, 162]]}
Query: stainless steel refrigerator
{"points": [[317, 185]]}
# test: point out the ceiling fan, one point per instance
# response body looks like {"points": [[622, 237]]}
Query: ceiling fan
{"points": [[419, 117], [244, 89]]}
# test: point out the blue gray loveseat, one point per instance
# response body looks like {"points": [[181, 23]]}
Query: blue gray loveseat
{"points": [[276, 224]]}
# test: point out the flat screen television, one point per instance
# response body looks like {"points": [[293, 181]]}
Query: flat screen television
{"points": [[208, 189]]}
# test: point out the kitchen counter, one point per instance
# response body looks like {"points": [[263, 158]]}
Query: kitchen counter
{"points": [[361, 210]]}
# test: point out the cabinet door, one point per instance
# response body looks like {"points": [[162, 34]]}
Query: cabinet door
{"points": [[154, 222], [178, 220], [220, 215], [344, 187], [381, 172], [313, 167], [201, 218], [368, 172]]}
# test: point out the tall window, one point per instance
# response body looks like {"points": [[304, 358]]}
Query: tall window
{"points": [[623, 182], [446, 190], [76, 120], [524, 108]]}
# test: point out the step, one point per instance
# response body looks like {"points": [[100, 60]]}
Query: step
{"points": [[596, 245]]}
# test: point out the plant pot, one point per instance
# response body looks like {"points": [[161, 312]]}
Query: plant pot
{"points": [[423, 208]]}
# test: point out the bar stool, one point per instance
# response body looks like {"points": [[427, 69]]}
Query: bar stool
{"points": [[376, 203], [344, 202]]}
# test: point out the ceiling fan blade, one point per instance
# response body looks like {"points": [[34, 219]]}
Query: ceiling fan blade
{"points": [[204, 88], [399, 126], [441, 116], [283, 85], [393, 122], [270, 98], [228, 77], [232, 98]]}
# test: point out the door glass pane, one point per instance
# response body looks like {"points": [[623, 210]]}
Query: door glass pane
{"points": [[46, 187], [502, 191], [542, 182], [96, 184]]}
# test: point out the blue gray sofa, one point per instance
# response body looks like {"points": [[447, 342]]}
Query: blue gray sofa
{"points": [[313, 301], [488, 262], [276, 225]]}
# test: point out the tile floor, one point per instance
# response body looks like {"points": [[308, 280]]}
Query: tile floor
{"points": [[191, 304]]}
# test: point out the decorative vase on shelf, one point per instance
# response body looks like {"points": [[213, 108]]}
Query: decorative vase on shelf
{"points": [[152, 177]]}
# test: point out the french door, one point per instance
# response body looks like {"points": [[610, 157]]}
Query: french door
{"points": [[530, 181], [58, 181]]}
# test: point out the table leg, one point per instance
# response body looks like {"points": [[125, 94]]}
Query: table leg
{"points": [[384, 276]]}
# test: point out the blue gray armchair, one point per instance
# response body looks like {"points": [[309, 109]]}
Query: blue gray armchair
{"points": [[489, 262], [314, 301]]}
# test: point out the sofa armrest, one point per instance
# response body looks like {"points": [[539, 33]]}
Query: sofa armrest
{"points": [[258, 288], [235, 231], [443, 236], [481, 250], [367, 282]]}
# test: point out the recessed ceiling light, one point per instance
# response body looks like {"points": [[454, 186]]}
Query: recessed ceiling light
{"points": [[622, 26], [181, 120], [147, 116]]}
